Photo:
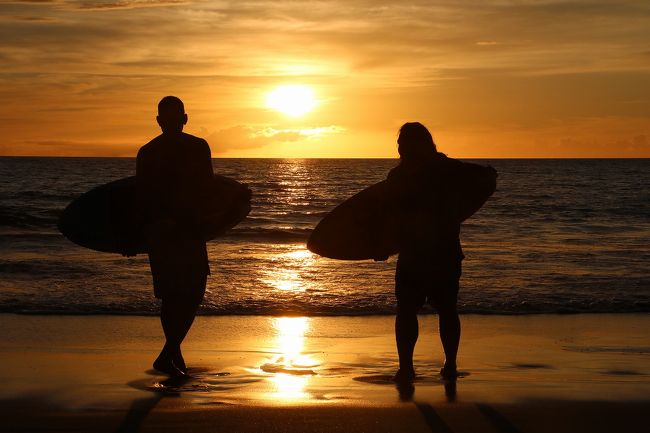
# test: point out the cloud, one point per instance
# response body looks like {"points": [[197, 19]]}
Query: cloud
{"points": [[607, 146], [386, 42], [28, 18], [247, 137], [67, 148], [71, 68], [128, 4], [101, 4]]}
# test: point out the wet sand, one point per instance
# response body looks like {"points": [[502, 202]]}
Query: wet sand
{"points": [[330, 374]]}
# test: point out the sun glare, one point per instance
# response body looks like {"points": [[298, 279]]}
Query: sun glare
{"points": [[293, 100]]}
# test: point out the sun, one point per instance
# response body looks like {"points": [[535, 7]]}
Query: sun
{"points": [[293, 100]]}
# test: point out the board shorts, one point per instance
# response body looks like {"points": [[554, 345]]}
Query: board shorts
{"points": [[179, 270], [418, 282]]}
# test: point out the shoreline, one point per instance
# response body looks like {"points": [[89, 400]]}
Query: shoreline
{"points": [[390, 158], [427, 313], [326, 374]]}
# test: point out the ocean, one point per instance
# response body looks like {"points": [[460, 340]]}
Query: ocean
{"points": [[558, 236]]}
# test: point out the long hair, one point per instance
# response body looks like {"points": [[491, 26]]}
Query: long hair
{"points": [[415, 141]]}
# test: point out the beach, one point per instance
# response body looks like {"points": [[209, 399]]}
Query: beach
{"points": [[326, 164], [531, 373], [554, 302]]}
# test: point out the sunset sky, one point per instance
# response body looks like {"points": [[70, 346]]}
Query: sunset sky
{"points": [[490, 79]]}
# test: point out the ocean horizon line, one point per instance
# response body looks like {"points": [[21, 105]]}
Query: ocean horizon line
{"points": [[379, 158]]}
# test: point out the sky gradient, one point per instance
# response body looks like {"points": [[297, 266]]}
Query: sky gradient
{"points": [[491, 79]]}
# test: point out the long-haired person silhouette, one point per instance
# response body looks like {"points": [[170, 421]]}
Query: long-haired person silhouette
{"points": [[429, 189]]}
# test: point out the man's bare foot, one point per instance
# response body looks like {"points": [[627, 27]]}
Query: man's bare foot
{"points": [[449, 372], [179, 362], [404, 375], [165, 365]]}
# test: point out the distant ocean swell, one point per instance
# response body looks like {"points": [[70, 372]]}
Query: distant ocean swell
{"points": [[559, 236]]}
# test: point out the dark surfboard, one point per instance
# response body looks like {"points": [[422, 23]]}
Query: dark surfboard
{"points": [[100, 218], [365, 226], [357, 229]]}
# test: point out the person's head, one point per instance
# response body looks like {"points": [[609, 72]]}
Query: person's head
{"points": [[171, 114], [415, 142]]}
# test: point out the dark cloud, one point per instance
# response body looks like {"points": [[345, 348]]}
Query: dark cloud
{"points": [[128, 4], [73, 148], [32, 18]]}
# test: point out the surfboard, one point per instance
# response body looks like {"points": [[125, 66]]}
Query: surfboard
{"points": [[357, 229], [99, 219], [365, 226]]}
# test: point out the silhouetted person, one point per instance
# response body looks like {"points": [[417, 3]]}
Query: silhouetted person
{"points": [[173, 174], [429, 190]]}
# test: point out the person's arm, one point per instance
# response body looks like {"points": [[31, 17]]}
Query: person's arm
{"points": [[207, 162], [205, 176]]}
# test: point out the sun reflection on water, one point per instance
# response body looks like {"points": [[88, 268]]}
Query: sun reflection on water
{"points": [[291, 368], [286, 274], [288, 387]]}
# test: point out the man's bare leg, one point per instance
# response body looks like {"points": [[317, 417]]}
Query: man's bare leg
{"points": [[176, 319], [406, 336], [449, 326]]}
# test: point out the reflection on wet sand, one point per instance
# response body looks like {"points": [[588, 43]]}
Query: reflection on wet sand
{"points": [[291, 369]]}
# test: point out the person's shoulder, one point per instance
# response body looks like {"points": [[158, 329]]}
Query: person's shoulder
{"points": [[404, 177], [395, 173], [196, 143], [446, 165], [463, 167], [147, 148], [442, 159], [193, 139]]}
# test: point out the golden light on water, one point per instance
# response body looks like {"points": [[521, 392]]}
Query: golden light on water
{"points": [[291, 368], [286, 276], [293, 100], [289, 387], [290, 334], [287, 281], [301, 254]]}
